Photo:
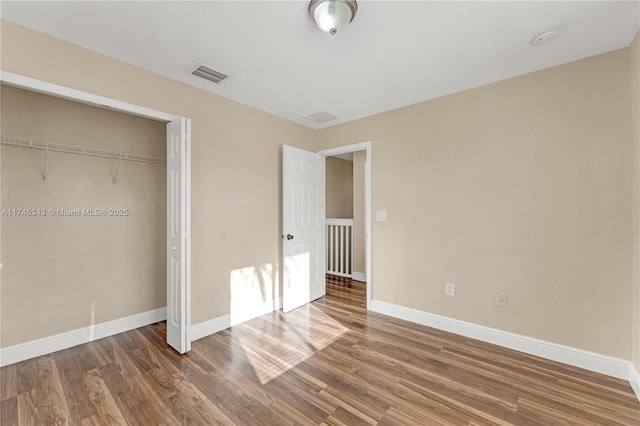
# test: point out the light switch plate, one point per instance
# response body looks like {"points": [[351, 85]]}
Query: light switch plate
{"points": [[381, 215]]}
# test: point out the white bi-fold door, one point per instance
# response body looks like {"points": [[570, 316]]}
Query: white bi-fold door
{"points": [[178, 187]]}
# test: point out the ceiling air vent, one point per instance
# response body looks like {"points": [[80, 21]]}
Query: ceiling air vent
{"points": [[209, 74], [321, 117]]}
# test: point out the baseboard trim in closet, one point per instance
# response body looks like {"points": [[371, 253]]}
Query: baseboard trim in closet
{"points": [[46, 345]]}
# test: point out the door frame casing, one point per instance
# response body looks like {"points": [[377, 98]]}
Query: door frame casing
{"points": [[362, 146], [64, 92]]}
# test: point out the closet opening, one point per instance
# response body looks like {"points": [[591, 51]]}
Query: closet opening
{"points": [[95, 225]]}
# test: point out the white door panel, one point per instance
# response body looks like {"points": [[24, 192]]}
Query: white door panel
{"points": [[303, 217], [178, 285]]}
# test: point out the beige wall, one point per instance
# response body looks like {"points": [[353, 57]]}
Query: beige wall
{"points": [[236, 179], [62, 273], [358, 212], [519, 187], [339, 188], [635, 122]]}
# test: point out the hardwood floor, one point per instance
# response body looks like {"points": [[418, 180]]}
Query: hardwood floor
{"points": [[331, 363]]}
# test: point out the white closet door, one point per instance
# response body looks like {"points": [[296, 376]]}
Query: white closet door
{"points": [[178, 238]]}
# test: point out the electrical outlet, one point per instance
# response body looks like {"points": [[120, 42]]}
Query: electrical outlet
{"points": [[450, 289], [502, 300]]}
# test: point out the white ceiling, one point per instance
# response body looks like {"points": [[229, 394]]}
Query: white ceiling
{"points": [[393, 54]]}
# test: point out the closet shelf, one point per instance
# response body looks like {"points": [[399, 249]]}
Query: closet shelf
{"points": [[71, 149]]}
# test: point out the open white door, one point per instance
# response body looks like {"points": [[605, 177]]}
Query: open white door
{"points": [[178, 221], [303, 222]]}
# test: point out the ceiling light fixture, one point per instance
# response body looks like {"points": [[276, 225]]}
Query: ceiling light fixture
{"points": [[332, 16]]}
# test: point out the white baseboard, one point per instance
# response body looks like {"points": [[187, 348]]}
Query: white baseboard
{"points": [[592, 361], [69, 339], [46, 345], [359, 276], [634, 379], [212, 326]]}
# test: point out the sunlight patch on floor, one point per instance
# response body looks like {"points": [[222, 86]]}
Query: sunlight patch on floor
{"points": [[274, 348]]}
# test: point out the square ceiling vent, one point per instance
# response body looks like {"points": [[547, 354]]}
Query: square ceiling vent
{"points": [[321, 117], [209, 74]]}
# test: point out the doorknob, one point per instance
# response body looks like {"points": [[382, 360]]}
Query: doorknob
{"points": [[288, 237]]}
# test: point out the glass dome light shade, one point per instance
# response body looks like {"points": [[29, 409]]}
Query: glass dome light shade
{"points": [[332, 16]]}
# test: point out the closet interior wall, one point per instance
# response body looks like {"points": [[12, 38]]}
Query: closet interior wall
{"points": [[65, 271]]}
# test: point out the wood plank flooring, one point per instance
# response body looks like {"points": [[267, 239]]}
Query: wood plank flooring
{"points": [[328, 363]]}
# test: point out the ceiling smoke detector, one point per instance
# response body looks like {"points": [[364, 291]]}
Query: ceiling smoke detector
{"points": [[544, 37]]}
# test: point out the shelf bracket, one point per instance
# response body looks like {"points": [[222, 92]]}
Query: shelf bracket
{"points": [[46, 159], [117, 174]]}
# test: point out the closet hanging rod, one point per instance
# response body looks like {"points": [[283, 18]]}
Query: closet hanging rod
{"points": [[71, 149]]}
